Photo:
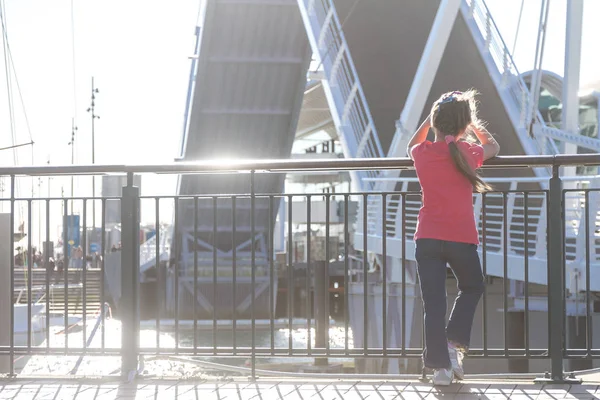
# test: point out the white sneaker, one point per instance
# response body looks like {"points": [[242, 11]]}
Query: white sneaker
{"points": [[456, 359], [443, 377]]}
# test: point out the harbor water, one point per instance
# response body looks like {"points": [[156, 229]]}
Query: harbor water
{"points": [[62, 365]]}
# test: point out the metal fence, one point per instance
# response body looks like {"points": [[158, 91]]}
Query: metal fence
{"points": [[209, 284]]}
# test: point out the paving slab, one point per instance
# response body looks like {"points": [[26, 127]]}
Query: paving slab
{"points": [[285, 388]]}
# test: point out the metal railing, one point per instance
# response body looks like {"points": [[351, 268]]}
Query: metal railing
{"points": [[274, 331]]}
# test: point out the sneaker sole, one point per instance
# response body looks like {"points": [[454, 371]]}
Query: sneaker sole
{"points": [[458, 375], [452, 378]]}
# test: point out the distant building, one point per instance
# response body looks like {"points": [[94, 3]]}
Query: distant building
{"points": [[112, 187]]}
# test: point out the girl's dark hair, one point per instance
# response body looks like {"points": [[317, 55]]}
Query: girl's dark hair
{"points": [[451, 114]]}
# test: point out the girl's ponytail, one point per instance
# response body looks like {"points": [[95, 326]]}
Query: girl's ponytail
{"points": [[464, 168]]}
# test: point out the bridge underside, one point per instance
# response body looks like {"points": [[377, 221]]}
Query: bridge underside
{"points": [[248, 89]]}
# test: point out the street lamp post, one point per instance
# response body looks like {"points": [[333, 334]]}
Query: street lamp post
{"points": [[47, 214], [72, 144], [91, 110], [49, 178]]}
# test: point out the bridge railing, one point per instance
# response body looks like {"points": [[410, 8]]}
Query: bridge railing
{"points": [[321, 275], [507, 76], [350, 110], [148, 249], [497, 48]]}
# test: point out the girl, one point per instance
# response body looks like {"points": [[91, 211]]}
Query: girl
{"points": [[446, 231]]}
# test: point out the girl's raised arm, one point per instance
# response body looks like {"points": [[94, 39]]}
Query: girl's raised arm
{"points": [[419, 136]]}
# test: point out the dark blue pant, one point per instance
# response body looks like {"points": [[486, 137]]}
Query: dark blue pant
{"points": [[432, 256]]}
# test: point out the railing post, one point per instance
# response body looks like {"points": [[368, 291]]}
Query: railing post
{"points": [[556, 285], [253, 268], [555, 276], [130, 264], [321, 291]]}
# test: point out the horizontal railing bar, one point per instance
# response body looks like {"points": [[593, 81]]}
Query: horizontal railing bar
{"points": [[259, 195], [289, 165], [61, 350], [581, 191], [332, 352], [518, 179], [35, 199]]}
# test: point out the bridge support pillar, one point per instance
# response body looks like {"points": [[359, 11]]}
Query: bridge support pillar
{"points": [[426, 72], [570, 97]]}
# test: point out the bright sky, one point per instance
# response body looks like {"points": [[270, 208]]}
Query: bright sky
{"points": [[506, 12], [138, 51]]}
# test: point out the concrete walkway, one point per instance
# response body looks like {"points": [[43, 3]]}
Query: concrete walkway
{"points": [[82, 388]]}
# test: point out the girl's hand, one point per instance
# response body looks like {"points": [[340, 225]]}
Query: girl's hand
{"points": [[489, 144], [475, 126]]}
